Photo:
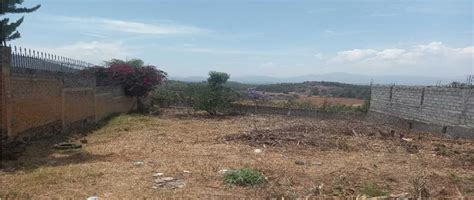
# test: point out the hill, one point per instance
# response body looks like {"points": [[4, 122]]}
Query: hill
{"points": [[310, 88], [339, 77]]}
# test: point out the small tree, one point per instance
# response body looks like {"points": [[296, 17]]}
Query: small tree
{"points": [[214, 98], [314, 91], [8, 31], [217, 79], [290, 102], [256, 96]]}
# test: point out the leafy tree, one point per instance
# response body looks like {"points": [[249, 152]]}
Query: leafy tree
{"points": [[8, 31], [215, 98], [176, 93], [217, 79], [315, 91], [134, 62]]}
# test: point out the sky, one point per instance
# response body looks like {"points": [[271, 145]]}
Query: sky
{"points": [[280, 38]]}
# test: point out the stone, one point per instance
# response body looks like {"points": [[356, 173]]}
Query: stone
{"points": [[316, 163], [186, 171], [93, 198], [8, 169], [176, 184], [224, 171], [299, 162], [164, 179], [400, 196], [52, 162], [169, 182], [138, 163], [257, 151], [158, 174], [66, 145]]}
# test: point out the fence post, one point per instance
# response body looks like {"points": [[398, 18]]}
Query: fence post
{"points": [[467, 93], [5, 64]]}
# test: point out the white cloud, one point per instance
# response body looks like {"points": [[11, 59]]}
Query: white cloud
{"points": [[352, 55], [168, 28], [433, 58], [390, 53], [143, 28], [95, 35]]}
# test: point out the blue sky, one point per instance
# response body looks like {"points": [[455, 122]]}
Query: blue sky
{"points": [[279, 38]]}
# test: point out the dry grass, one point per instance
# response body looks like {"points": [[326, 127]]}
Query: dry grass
{"points": [[175, 141]]}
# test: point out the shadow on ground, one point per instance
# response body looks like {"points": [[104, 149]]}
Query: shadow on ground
{"points": [[41, 153]]}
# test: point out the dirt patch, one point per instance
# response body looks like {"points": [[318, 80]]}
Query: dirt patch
{"points": [[292, 136], [326, 135]]}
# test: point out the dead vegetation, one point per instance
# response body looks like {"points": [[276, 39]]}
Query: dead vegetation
{"points": [[181, 154]]}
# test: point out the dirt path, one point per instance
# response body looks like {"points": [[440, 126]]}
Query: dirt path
{"points": [[119, 160]]}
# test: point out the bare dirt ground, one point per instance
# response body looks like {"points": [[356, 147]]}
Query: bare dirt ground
{"points": [[318, 100], [301, 157]]}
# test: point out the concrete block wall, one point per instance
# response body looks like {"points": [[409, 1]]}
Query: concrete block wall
{"points": [[433, 105]]}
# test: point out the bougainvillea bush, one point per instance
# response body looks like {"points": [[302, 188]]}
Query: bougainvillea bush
{"points": [[135, 81]]}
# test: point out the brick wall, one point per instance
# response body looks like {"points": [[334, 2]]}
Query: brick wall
{"points": [[441, 106], [4, 71], [110, 100], [1, 102], [45, 102], [78, 104], [35, 100]]}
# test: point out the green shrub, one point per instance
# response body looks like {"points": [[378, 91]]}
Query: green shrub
{"points": [[443, 150], [373, 190], [244, 177], [215, 98], [364, 107]]}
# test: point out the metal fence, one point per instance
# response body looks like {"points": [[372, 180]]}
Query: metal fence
{"points": [[32, 59], [468, 83]]}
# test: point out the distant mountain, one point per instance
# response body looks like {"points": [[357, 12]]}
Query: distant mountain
{"points": [[339, 77]]}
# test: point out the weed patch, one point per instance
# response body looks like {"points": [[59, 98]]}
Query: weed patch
{"points": [[443, 150], [244, 177], [373, 190]]}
